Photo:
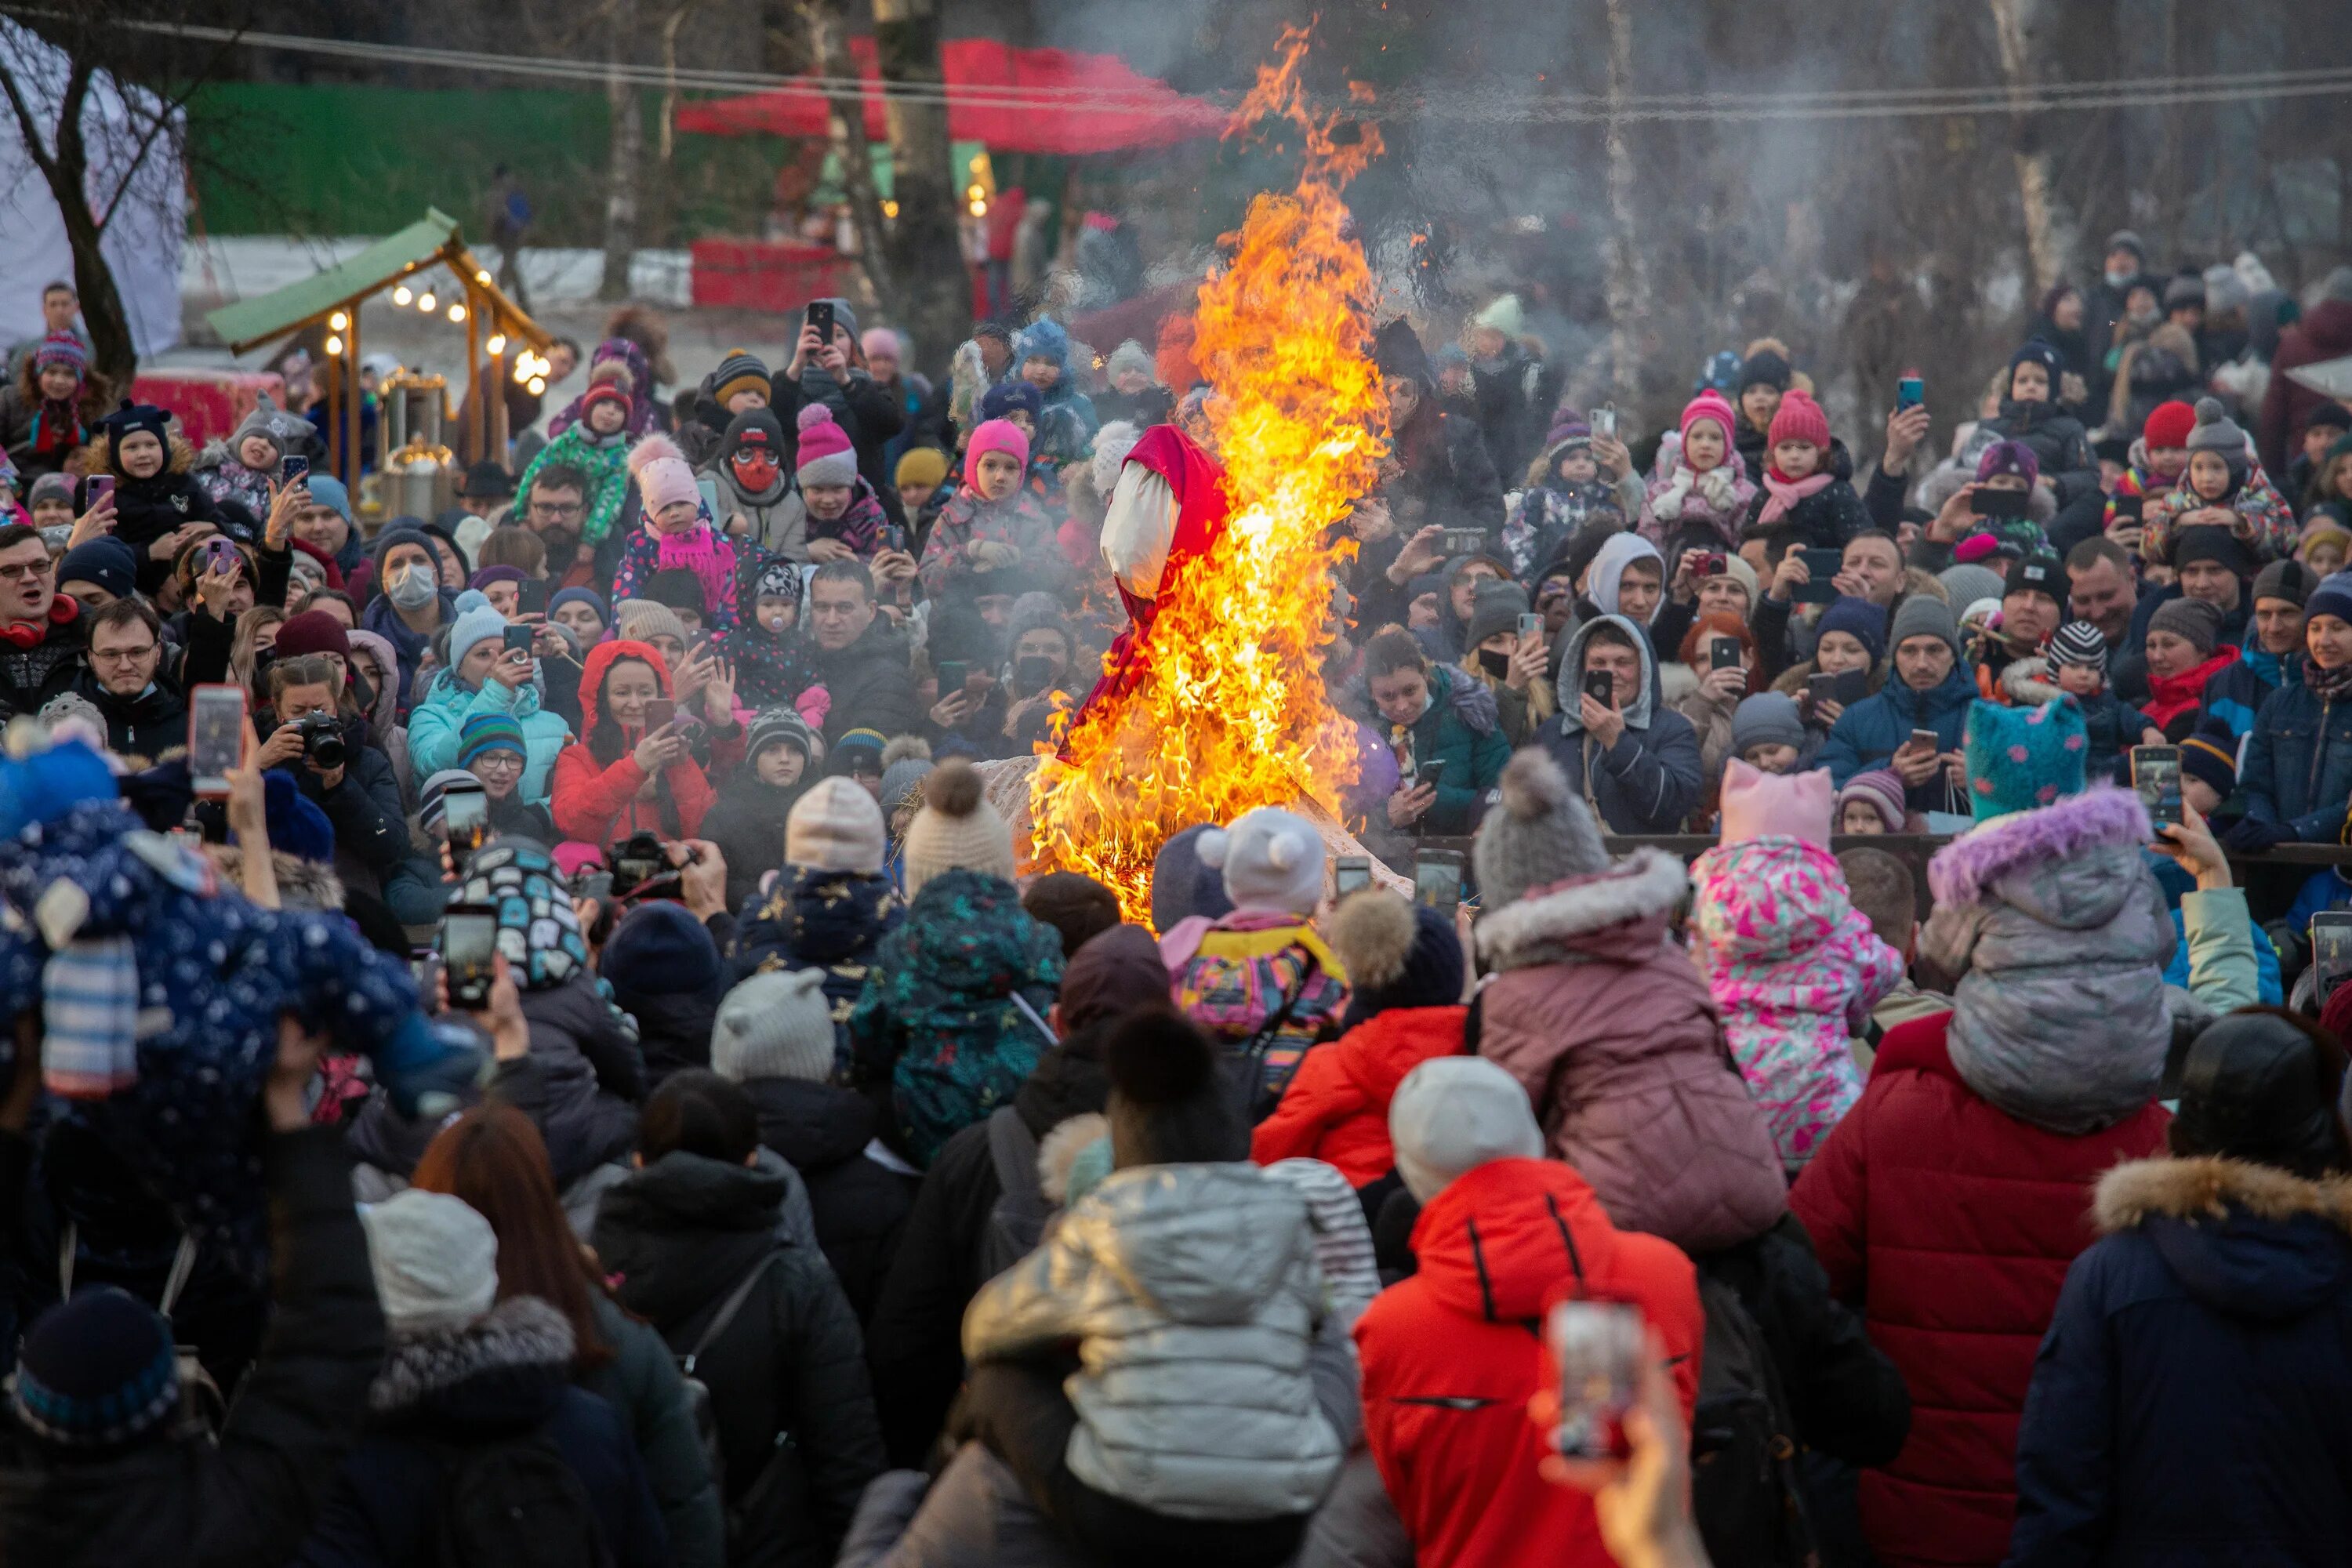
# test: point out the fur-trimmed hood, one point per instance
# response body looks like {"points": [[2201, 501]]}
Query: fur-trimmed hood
{"points": [[1945, 480], [2205, 1188], [301, 884], [2029, 682], [2250, 1241], [1619, 912], [521, 1348], [1965, 869]]}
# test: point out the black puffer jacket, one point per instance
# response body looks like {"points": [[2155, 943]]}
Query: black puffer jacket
{"points": [[642, 1381], [861, 1206], [680, 1236], [146, 725], [871, 682], [249, 1499], [915, 1340], [747, 823], [823, 920]]}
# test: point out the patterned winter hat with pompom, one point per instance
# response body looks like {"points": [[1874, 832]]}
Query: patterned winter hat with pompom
{"points": [[1540, 834], [1272, 859], [2021, 758], [957, 829], [664, 478], [826, 457]]}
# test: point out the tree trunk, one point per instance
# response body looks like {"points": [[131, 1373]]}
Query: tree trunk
{"points": [[829, 43], [65, 171], [626, 153], [1628, 284], [926, 260], [665, 126], [2014, 23]]}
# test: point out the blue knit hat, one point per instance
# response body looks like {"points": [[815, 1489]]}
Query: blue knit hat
{"points": [[404, 532], [484, 733], [2021, 758], [1859, 619], [2332, 597], [1042, 338], [1007, 397], [587, 596], [327, 491], [107, 562], [97, 1372], [294, 824], [46, 784], [660, 949]]}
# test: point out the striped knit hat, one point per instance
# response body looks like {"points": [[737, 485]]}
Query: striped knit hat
{"points": [[740, 371], [2079, 643], [484, 733], [2212, 755]]}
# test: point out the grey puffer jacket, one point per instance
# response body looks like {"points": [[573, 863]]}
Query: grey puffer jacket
{"points": [[2060, 936], [1195, 1291]]}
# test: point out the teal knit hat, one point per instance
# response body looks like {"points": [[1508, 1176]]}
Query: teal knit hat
{"points": [[488, 732], [2021, 758]]}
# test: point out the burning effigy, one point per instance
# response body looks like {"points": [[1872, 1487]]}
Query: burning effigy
{"points": [[1222, 537]]}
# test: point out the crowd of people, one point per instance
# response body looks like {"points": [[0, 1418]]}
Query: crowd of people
{"points": [[834, 1191]]}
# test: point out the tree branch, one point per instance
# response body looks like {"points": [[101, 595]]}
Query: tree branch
{"points": [[171, 107], [30, 132]]}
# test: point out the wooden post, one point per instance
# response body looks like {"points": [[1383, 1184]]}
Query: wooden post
{"points": [[332, 370], [473, 443], [349, 414]]}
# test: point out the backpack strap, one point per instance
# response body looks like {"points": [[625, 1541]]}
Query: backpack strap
{"points": [[726, 1316]]}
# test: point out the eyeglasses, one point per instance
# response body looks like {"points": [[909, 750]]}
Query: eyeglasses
{"points": [[553, 509], [122, 655], [18, 571], [498, 763]]}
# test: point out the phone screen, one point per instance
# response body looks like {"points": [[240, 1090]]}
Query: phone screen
{"points": [[468, 812], [1427, 774], [1998, 504], [215, 736], [2331, 949], [1464, 541], [470, 944], [1351, 873], [517, 639], [2156, 774], [1596, 1350], [293, 471], [1437, 878], [1823, 565], [533, 596], [1910, 391]]}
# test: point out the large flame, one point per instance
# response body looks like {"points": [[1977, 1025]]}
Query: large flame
{"points": [[1229, 711]]}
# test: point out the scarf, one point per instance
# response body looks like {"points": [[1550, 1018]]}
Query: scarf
{"points": [[1780, 496], [2171, 696], [58, 427], [2328, 685], [696, 551]]}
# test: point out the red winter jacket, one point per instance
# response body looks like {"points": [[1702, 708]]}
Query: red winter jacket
{"points": [[1952, 1224], [1336, 1106], [1452, 1355], [598, 804]]}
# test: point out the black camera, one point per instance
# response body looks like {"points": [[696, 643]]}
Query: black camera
{"points": [[324, 746], [636, 861]]}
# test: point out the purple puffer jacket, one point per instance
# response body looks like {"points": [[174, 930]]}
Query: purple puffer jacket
{"points": [[1608, 1026], [1796, 970]]}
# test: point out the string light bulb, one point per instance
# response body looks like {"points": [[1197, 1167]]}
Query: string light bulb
{"points": [[456, 313], [537, 385], [890, 210], [496, 345], [979, 209], [402, 294], [334, 345], [338, 322], [482, 275], [426, 303]]}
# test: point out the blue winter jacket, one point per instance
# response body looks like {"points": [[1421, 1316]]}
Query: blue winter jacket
{"points": [[444, 705], [2192, 1401], [2297, 768], [1876, 728]]}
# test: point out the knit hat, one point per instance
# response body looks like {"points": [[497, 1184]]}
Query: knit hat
{"points": [[2034, 351], [2261, 1086], [1130, 355], [2187, 289], [857, 751], [2289, 579], [1043, 338], [675, 588], [902, 779], [435, 1261], [2042, 574], [430, 806], [660, 949], [2168, 423], [1271, 858], [825, 455], [588, 596], [921, 466], [1968, 583], [835, 826], [2193, 620], [105, 563], [261, 421], [739, 371], [2329, 416], [2332, 597], [2021, 758], [1859, 619], [1183, 886], [844, 314], [2212, 755], [1800, 419], [883, 341], [1109, 973], [2216, 432], [642, 620], [2008, 458], [755, 430], [1074, 904], [1757, 804], [312, 631], [97, 1371], [1710, 404], [2079, 643], [1882, 790], [1452, 1115], [1921, 616], [1113, 444], [1495, 607], [663, 476], [996, 436], [956, 830], [60, 348], [483, 734], [484, 576], [781, 726], [1764, 368], [1397, 953], [130, 419], [1541, 834], [609, 382], [474, 627], [1768, 718], [52, 487], [1167, 1104], [2210, 542], [1007, 398], [776, 1024]]}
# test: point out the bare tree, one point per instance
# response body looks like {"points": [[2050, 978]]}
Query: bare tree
{"points": [[2016, 25], [829, 44], [920, 241], [626, 153], [1629, 272]]}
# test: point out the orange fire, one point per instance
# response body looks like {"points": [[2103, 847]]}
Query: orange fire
{"points": [[1230, 710]]}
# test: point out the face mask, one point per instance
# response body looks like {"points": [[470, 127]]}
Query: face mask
{"points": [[754, 470], [2118, 280], [412, 587], [2144, 318]]}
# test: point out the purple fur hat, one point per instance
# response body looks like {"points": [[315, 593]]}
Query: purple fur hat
{"points": [[1965, 869]]}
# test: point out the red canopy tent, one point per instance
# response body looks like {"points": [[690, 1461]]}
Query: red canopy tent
{"points": [[1015, 101]]}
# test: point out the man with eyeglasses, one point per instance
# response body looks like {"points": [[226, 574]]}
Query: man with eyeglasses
{"points": [[127, 683], [41, 630], [556, 503]]}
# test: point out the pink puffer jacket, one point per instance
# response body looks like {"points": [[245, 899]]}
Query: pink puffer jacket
{"points": [[1613, 1033], [1796, 970]]}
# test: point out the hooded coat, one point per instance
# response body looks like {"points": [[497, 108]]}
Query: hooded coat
{"points": [[860, 1205], [1450, 1360], [1951, 1222], [832, 920], [2217, 1302], [445, 704], [1194, 1292], [1336, 1106], [597, 803], [1613, 1033], [1651, 779]]}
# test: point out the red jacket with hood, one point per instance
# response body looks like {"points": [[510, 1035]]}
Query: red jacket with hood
{"points": [[1952, 1224], [598, 804], [1336, 1106], [1452, 1355]]}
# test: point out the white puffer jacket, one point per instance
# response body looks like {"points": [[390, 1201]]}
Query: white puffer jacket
{"points": [[1194, 1294]]}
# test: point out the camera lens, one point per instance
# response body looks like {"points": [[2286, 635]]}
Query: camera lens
{"points": [[322, 744]]}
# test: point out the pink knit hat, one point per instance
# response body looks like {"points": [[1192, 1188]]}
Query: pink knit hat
{"points": [[825, 455], [1710, 405], [996, 436], [1757, 804], [1800, 419], [662, 475]]}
